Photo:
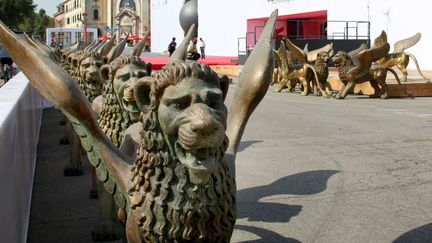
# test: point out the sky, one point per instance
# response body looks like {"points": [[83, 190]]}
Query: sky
{"points": [[50, 6]]}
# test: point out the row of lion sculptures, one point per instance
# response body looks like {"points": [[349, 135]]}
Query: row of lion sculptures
{"points": [[310, 69], [162, 143]]}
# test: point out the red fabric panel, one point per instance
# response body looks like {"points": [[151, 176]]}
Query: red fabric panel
{"points": [[159, 62]]}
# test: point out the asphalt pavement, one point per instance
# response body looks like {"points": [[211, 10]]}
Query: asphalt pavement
{"points": [[310, 169]]}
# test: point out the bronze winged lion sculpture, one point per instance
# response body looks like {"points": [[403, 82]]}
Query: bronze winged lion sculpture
{"points": [[400, 58], [181, 187], [361, 69]]}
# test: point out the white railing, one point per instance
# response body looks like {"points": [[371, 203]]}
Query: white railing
{"points": [[20, 119]]}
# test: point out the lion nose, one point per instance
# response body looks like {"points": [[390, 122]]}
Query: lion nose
{"points": [[204, 122]]}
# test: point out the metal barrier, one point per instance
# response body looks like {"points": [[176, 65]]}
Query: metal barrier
{"points": [[324, 30]]}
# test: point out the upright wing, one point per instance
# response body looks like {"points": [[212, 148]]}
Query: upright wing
{"points": [[354, 53], [368, 56], [312, 55], [139, 47], [47, 51], [58, 87], [401, 45], [381, 39], [117, 50], [92, 45], [180, 52], [298, 53], [306, 48], [108, 46], [282, 58], [251, 89]]}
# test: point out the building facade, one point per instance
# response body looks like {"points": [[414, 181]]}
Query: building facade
{"points": [[108, 16], [59, 16]]}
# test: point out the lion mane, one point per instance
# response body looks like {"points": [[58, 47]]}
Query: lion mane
{"points": [[113, 119], [345, 65], [166, 205]]}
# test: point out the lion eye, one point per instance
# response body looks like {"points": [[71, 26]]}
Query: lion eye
{"points": [[179, 106], [86, 65], [126, 77]]}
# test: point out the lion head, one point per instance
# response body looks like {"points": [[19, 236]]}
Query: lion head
{"points": [[323, 57], [342, 59], [181, 186], [119, 108], [344, 63], [89, 64]]}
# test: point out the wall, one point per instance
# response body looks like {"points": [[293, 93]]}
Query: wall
{"points": [[222, 22], [20, 119]]}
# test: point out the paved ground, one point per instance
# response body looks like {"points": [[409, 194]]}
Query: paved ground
{"points": [[310, 170]]}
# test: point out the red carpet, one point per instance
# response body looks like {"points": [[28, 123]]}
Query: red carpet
{"points": [[159, 62]]}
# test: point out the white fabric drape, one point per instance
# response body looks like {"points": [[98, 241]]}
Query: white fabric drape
{"points": [[20, 120]]}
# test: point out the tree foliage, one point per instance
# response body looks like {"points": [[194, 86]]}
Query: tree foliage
{"points": [[14, 12], [20, 15]]}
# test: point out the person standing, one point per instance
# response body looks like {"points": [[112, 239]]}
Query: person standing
{"points": [[5, 59], [172, 46], [202, 46]]}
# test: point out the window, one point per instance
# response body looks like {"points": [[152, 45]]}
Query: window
{"points": [[95, 14], [68, 21], [127, 3]]}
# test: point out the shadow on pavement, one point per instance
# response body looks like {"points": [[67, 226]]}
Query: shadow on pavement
{"points": [[418, 235], [265, 235], [306, 183], [245, 144]]}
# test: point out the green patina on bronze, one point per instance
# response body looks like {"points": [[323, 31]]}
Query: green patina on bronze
{"points": [[181, 187]]}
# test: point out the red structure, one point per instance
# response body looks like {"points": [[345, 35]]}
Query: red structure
{"points": [[310, 25]]}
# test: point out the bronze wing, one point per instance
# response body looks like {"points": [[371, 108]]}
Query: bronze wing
{"points": [[180, 52], [282, 59], [298, 53], [381, 39], [368, 56], [139, 47], [106, 48], [312, 55], [113, 167], [117, 50], [251, 88], [401, 45], [354, 53]]}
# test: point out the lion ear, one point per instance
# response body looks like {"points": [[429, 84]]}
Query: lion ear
{"points": [[105, 71], [224, 84], [142, 92]]}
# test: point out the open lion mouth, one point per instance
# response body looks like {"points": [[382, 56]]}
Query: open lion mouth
{"points": [[128, 101], [201, 162], [92, 84]]}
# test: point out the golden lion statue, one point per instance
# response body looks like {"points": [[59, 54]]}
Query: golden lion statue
{"points": [[400, 58]]}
